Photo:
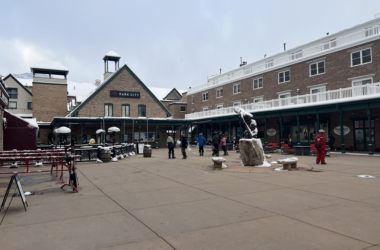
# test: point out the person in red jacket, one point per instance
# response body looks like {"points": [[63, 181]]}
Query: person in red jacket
{"points": [[320, 145]]}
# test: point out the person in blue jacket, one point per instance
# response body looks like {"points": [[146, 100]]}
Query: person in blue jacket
{"points": [[201, 143]]}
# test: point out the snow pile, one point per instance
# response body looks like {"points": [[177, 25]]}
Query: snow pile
{"points": [[280, 169], [120, 157], [273, 162], [218, 159], [366, 176], [38, 164], [114, 159], [14, 165], [265, 164], [224, 165], [99, 161], [126, 155], [291, 159]]}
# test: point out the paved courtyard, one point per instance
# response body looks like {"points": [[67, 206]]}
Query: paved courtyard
{"points": [[157, 203]]}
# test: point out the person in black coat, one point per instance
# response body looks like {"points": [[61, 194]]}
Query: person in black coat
{"points": [[331, 141], [183, 147], [215, 143]]}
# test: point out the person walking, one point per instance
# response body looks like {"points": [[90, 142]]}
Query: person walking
{"points": [[201, 143], [320, 145], [215, 143], [183, 147], [224, 144], [170, 142], [331, 141]]}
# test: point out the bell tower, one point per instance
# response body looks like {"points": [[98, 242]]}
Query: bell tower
{"points": [[110, 56]]}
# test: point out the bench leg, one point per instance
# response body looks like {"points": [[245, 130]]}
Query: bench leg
{"points": [[294, 165], [217, 165], [285, 166]]}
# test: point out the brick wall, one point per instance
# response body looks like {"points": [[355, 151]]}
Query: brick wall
{"points": [[175, 109], [337, 70], [49, 101], [123, 82]]}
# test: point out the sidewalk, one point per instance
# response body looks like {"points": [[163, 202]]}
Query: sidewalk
{"points": [[157, 203]]}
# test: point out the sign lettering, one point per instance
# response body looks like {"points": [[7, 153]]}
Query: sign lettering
{"points": [[124, 94]]}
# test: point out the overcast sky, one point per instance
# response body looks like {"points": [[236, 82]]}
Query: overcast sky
{"points": [[166, 43]]}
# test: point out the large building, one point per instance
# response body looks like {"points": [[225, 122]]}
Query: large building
{"points": [[330, 83]]}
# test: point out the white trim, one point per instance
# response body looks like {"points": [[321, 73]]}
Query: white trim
{"points": [[258, 98], [359, 77], [284, 76], [219, 105], [361, 57], [284, 93], [367, 46], [281, 92], [317, 62], [318, 85], [192, 99]]}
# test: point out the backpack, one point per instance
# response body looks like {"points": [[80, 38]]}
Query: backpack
{"points": [[317, 143]]}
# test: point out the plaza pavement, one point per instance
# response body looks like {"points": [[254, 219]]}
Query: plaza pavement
{"points": [[157, 203]]}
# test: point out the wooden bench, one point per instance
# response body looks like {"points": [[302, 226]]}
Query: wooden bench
{"points": [[288, 163]]}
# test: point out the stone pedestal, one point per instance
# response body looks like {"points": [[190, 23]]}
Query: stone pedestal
{"points": [[251, 151], [218, 161]]}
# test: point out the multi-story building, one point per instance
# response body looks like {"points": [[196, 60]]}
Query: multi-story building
{"points": [[330, 83]]}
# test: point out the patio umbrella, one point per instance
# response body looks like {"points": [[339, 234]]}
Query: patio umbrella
{"points": [[100, 131], [62, 130], [113, 130]]}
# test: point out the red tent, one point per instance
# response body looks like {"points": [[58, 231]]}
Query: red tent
{"points": [[19, 134]]}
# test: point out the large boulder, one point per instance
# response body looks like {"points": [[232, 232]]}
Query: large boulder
{"points": [[252, 153]]}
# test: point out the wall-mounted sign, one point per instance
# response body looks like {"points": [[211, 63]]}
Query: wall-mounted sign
{"points": [[271, 132], [124, 94], [346, 130]]}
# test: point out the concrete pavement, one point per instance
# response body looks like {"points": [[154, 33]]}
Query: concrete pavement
{"points": [[157, 203]]}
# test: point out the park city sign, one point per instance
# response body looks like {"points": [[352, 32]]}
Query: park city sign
{"points": [[124, 94]]}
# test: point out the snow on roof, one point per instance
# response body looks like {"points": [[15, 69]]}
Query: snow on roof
{"points": [[49, 65], [113, 54]]}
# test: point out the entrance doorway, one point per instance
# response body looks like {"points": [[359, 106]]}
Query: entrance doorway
{"points": [[361, 134]]}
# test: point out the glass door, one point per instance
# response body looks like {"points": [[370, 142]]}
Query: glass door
{"points": [[362, 134]]}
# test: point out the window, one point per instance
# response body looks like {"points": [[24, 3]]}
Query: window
{"points": [[205, 109], [361, 57], [30, 105], [372, 30], [361, 82], [108, 109], [220, 106], [284, 76], [192, 99], [205, 97], [318, 93], [142, 111], [329, 44], [12, 105], [258, 83], [256, 100], [219, 93], [12, 93], [317, 68], [269, 64], [296, 55], [238, 103], [183, 109], [237, 88], [125, 110], [284, 96]]}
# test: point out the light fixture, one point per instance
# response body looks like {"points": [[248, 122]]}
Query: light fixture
{"points": [[298, 90]]}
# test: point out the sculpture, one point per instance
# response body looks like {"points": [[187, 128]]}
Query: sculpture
{"points": [[252, 153]]}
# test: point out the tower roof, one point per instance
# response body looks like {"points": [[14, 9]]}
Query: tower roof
{"points": [[112, 56], [49, 65]]}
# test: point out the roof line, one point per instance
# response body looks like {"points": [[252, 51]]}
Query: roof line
{"points": [[10, 75], [108, 80], [172, 91]]}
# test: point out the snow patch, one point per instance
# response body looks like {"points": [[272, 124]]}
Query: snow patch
{"points": [[280, 169], [366, 176]]}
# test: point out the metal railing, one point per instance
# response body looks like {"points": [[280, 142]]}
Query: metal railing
{"points": [[354, 93], [4, 96], [250, 70]]}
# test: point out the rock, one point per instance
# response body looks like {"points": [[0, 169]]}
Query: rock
{"points": [[251, 151]]}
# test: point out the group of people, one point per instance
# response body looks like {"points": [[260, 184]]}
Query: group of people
{"points": [[216, 140]]}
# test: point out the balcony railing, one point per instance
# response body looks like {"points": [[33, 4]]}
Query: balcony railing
{"points": [[253, 69], [327, 97]]}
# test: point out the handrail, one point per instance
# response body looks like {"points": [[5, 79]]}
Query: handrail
{"points": [[355, 92], [252, 69]]}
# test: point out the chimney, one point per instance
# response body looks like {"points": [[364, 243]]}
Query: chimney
{"points": [[97, 82], [284, 46], [220, 71], [241, 62]]}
